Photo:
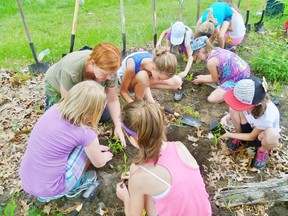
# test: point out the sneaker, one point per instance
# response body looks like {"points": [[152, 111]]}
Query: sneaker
{"points": [[43, 200], [260, 159], [233, 144], [82, 185], [93, 190]]}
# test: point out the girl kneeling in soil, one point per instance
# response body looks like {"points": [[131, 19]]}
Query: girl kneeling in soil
{"points": [[224, 66], [179, 37], [236, 35], [165, 178], [215, 22], [255, 118], [142, 71], [62, 139]]}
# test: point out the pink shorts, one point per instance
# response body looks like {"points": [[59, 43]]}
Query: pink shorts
{"points": [[232, 41]]}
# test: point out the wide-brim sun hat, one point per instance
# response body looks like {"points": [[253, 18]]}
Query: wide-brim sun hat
{"points": [[247, 93], [177, 33]]}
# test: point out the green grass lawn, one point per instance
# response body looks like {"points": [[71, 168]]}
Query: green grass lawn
{"points": [[50, 24]]}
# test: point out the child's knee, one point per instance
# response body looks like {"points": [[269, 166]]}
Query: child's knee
{"points": [[211, 99], [270, 137], [217, 96]]}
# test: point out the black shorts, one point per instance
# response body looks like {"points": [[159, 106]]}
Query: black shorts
{"points": [[246, 128]]}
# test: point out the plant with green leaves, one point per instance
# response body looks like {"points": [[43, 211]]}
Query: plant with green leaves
{"points": [[10, 208], [217, 131], [115, 145], [273, 64], [124, 168], [187, 110], [189, 77]]}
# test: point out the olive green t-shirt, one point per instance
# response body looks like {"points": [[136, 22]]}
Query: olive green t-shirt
{"points": [[70, 70]]}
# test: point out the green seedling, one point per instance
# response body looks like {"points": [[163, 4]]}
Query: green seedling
{"points": [[187, 110], [10, 208], [217, 130], [189, 77], [124, 168], [115, 145]]}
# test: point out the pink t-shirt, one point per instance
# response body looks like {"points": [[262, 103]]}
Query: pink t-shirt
{"points": [[187, 195], [52, 139]]}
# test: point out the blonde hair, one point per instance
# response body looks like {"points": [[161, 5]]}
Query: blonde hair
{"points": [[208, 27], [106, 56], [165, 61], [84, 100], [147, 120]]}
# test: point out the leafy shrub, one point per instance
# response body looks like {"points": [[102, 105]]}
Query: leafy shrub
{"points": [[272, 63]]}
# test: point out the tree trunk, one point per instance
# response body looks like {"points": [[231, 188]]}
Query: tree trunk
{"points": [[274, 190]]}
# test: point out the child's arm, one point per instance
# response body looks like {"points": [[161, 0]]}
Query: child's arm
{"points": [[202, 79], [114, 108], [163, 34], [212, 65], [212, 68], [214, 35], [97, 157], [126, 81], [141, 86], [134, 199], [189, 63], [243, 136]]}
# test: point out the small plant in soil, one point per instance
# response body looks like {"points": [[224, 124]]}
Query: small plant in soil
{"points": [[217, 130], [124, 168], [187, 110], [10, 207], [115, 145], [189, 77]]}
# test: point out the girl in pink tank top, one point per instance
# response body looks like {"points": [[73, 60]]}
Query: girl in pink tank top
{"points": [[164, 178]]}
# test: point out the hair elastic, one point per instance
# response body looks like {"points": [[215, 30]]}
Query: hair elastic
{"points": [[130, 132]]}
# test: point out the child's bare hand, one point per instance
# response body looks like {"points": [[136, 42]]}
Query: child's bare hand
{"points": [[104, 148], [125, 176], [122, 191], [107, 156], [198, 79]]}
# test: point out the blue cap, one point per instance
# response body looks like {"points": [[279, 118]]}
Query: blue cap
{"points": [[198, 43]]}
